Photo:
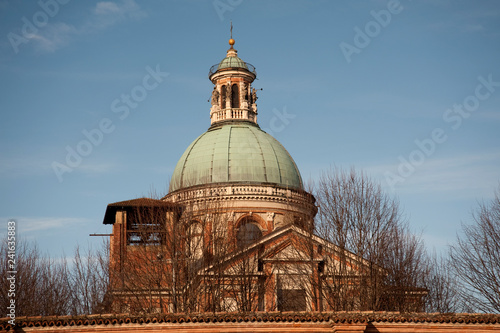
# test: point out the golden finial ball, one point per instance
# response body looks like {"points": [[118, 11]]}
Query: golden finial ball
{"points": [[231, 41]]}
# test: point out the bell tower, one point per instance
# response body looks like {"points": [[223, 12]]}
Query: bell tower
{"points": [[233, 97]]}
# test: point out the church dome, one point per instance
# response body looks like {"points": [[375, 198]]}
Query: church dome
{"points": [[235, 152], [232, 62]]}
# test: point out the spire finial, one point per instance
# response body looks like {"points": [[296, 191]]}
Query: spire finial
{"points": [[231, 41]]}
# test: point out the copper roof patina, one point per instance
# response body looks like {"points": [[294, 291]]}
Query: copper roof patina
{"points": [[235, 153]]}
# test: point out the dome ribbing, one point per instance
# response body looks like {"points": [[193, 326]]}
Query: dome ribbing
{"points": [[235, 153]]}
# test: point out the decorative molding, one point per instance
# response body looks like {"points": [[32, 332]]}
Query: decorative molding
{"points": [[270, 217], [245, 192], [217, 114]]}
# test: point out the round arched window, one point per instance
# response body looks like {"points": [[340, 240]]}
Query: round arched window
{"points": [[248, 233]]}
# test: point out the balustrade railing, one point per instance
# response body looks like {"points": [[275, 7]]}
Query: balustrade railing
{"points": [[233, 114], [249, 190], [237, 65]]}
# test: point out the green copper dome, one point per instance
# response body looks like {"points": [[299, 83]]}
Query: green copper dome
{"points": [[230, 62], [235, 153]]}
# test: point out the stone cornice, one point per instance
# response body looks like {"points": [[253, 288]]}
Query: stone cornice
{"points": [[251, 192], [232, 72]]}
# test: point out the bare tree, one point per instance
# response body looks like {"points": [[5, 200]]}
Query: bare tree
{"points": [[406, 267], [297, 274], [41, 284], [88, 278], [144, 280], [442, 286], [476, 257], [47, 286], [243, 280], [167, 253], [215, 252], [54, 291], [356, 215]]}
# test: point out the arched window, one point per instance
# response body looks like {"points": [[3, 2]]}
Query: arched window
{"points": [[194, 241], [248, 232], [223, 97], [235, 96]]}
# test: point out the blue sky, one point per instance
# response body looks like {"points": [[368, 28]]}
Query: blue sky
{"points": [[408, 91]]}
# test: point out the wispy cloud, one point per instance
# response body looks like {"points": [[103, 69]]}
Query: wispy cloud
{"points": [[160, 170], [107, 7], [11, 167], [128, 8], [96, 168], [490, 115], [38, 224], [472, 28], [482, 13], [463, 175], [53, 37], [469, 20], [104, 15], [22, 166], [108, 13]]}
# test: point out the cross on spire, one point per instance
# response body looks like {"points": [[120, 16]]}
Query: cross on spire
{"points": [[231, 40]]}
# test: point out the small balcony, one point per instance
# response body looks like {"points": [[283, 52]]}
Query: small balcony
{"points": [[230, 64], [233, 113]]}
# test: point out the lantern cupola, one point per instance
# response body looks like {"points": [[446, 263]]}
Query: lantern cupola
{"points": [[233, 98]]}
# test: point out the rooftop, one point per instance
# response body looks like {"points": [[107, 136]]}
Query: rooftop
{"points": [[263, 321]]}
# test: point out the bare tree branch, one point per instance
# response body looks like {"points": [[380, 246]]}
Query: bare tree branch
{"points": [[356, 215], [476, 257]]}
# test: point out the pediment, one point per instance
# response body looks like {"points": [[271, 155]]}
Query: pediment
{"points": [[294, 246], [287, 253]]}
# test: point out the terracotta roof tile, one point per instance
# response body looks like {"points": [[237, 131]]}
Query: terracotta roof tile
{"points": [[273, 317], [109, 216]]}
